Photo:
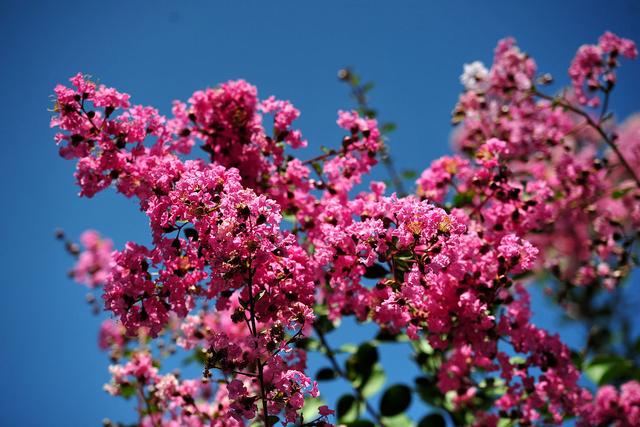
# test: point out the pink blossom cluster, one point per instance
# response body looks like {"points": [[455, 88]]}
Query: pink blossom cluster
{"points": [[613, 407], [536, 184], [594, 66], [212, 238], [568, 203], [94, 262], [166, 400]]}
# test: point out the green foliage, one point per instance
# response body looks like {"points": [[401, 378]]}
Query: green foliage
{"points": [[359, 366], [463, 198], [127, 390], [395, 400], [375, 381], [388, 128], [604, 369], [310, 408], [433, 420], [326, 374], [272, 420], [428, 391], [409, 174], [348, 408], [401, 420], [360, 423]]}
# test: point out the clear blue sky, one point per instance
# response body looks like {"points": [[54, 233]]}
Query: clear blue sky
{"points": [[52, 372]]}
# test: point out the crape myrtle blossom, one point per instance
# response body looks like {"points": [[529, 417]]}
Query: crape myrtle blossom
{"points": [[532, 187], [612, 407], [594, 66], [94, 263], [561, 194], [474, 75]]}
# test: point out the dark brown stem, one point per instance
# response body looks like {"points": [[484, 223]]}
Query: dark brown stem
{"points": [[289, 341], [321, 157], [147, 404], [259, 365]]}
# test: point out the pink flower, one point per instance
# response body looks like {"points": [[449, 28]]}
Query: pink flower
{"points": [[325, 411], [94, 263]]}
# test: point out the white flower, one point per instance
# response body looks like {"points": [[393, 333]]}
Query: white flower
{"points": [[474, 75]]}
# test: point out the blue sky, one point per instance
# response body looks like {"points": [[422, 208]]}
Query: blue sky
{"points": [[163, 50]]}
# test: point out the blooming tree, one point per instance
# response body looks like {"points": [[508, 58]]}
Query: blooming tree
{"points": [[258, 252]]}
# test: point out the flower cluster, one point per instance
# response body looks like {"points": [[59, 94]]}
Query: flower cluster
{"points": [[594, 66], [563, 192], [613, 407], [537, 184], [94, 262]]}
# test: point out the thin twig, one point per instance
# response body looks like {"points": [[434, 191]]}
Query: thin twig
{"points": [[336, 367]]}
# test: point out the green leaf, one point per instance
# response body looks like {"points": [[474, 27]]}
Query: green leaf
{"points": [[348, 348], [577, 359], [369, 113], [360, 423], [368, 86], [317, 167], [347, 409], [289, 217], [385, 335], [433, 420], [375, 382], [321, 309], [326, 374], [127, 390], [428, 391], [388, 128], [621, 192], [603, 369], [449, 400], [324, 324], [359, 365], [517, 360], [310, 408], [395, 400], [463, 198], [401, 420], [409, 174], [308, 343], [424, 346], [191, 233], [493, 387]]}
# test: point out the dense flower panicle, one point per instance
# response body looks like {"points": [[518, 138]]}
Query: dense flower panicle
{"points": [[94, 263], [358, 153], [187, 402], [569, 202], [629, 140], [513, 71], [112, 335], [434, 181], [593, 66], [532, 187], [613, 407]]}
